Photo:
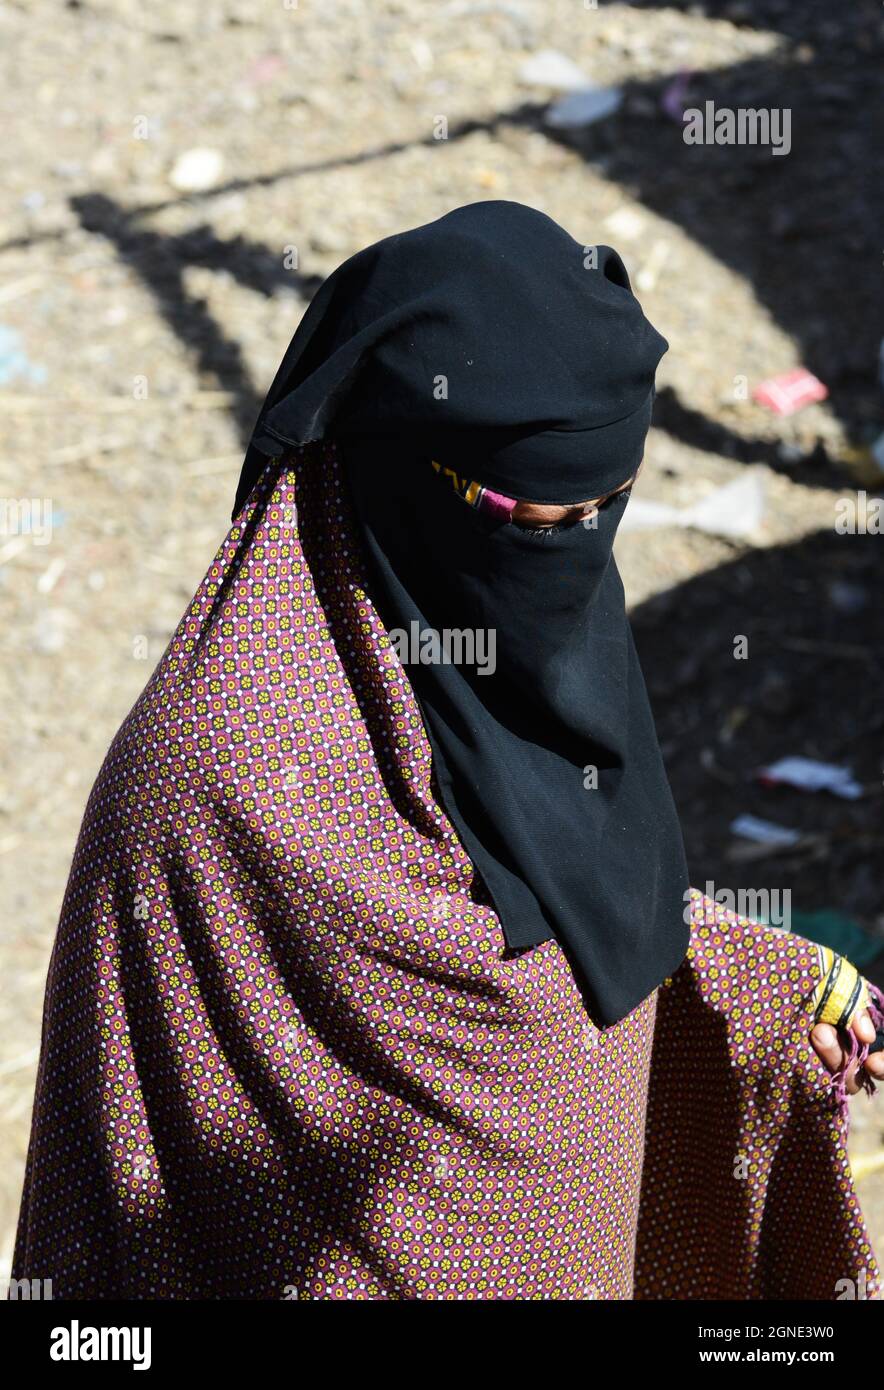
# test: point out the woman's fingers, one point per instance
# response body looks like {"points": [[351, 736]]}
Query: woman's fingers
{"points": [[864, 1029], [827, 1047]]}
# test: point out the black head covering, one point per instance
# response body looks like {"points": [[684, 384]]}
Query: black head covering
{"points": [[492, 342], [489, 337]]}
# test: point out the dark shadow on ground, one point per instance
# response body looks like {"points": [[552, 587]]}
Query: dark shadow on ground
{"points": [[161, 260], [811, 685], [802, 228]]}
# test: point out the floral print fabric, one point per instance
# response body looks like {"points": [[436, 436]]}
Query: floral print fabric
{"points": [[286, 1053]]}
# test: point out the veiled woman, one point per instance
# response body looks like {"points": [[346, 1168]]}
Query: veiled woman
{"points": [[378, 974]]}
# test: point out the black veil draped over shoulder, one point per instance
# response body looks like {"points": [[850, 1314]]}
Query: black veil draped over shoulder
{"points": [[493, 343]]}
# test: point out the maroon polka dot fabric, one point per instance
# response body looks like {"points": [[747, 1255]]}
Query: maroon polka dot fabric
{"points": [[286, 1053]]}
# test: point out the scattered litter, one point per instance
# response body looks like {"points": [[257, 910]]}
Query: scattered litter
{"points": [[790, 392], [625, 222], [196, 170], [15, 365], [549, 68], [735, 511], [811, 776], [675, 96], [583, 107], [648, 274], [641, 514], [764, 832], [51, 575]]}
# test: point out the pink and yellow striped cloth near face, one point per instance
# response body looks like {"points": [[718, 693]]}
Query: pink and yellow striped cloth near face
{"points": [[493, 504]]}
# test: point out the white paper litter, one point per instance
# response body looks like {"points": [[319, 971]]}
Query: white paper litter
{"points": [[735, 510], [812, 776], [583, 107], [764, 832], [196, 170], [549, 68]]}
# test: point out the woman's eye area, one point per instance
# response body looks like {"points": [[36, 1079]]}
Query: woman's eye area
{"points": [[538, 518], [535, 516]]}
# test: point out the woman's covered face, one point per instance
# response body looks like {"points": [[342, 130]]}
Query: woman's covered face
{"points": [[538, 516], [509, 619]]}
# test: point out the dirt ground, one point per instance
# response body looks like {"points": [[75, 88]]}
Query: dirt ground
{"points": [[146, 299]]}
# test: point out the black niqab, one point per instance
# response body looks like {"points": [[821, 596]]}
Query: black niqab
{"points": [[494, 343]]}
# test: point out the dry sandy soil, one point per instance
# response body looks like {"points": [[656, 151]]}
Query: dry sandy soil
{"points": [[141, 320]]}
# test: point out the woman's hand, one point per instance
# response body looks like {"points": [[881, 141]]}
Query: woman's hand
{"points": [[828, 1048]]}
